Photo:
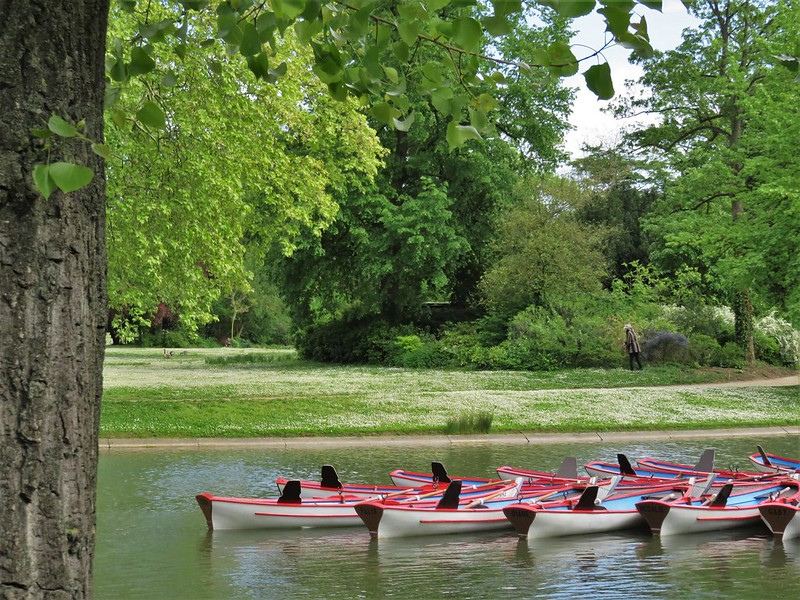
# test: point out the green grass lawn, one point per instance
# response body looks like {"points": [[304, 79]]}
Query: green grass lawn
{"points": [[234, 393]]}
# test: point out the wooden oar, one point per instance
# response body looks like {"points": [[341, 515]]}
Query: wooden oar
{"points": [[440, 490], [482, 499]]}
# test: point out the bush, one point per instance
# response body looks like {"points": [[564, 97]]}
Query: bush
{"points": [[730, 356], [357, 340], [779, 341], [665, 347], [416, 352], [480, 422], [712, 321], [703, 349]]}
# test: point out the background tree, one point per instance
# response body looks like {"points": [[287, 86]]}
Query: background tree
{"points": [[716, 93], [544, 255], [618, 199], [238, 157]]}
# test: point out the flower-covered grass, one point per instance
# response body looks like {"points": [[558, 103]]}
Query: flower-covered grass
{"points": [[185, 395]]}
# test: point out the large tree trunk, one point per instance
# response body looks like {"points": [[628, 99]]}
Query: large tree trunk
{"points": [[52, 299]]}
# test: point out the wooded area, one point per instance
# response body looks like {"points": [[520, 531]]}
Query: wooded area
{"points": [[373, 181]]}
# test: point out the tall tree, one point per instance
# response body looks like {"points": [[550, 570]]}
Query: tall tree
{"points": [[52, 220], [239, 157], [543, 253], [53, 308], [717, 94]]}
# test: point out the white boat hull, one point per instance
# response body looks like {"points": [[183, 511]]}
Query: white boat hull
{"points": [[671, 519], [244, 513], [386, 521], [783, 520], [547, 523]]}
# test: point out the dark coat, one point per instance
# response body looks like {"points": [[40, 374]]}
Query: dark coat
{"points": [[631, 341]]}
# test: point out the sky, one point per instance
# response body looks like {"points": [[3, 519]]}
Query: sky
{"points": [[590, 123]]}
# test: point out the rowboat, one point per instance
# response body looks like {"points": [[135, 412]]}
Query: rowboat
{"points": [[592, 512], [734, 505], [438, 474], [567, 473], [771, 463], [664, 471], [330, 485], [386, 519], [287, 511], [782, 515], [291, 511], [703, 467]]}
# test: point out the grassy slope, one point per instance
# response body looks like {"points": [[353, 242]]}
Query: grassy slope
{"points": [[264, 393]]}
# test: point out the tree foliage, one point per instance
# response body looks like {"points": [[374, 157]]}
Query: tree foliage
{"points": [[543, 253], [718, 95], [237, 158]]}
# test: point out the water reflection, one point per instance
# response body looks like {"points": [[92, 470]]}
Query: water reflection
{"points": [[152, 540]]}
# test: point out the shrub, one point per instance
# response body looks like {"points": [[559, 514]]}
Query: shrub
{"points": [[703, 348], [730, 356], [665, 347], [786, 338], [356, 340], [478, 422], [414, 351]]}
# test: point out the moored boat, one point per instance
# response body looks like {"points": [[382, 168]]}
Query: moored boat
{"points": [[734, 505], [291, 511], [386, 519], [330, 485], [592, 512], [666, 472], [766, 462], [782, 515], [438, 475], [287, 511]]}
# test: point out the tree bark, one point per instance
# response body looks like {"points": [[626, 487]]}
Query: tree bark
{"points": [[52, 299]]}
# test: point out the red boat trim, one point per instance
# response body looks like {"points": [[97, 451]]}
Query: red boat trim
{"points": [[447, 522], [729, 518], [317, 516]]}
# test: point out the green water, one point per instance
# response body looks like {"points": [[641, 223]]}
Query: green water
{"points": [[152, 540]]}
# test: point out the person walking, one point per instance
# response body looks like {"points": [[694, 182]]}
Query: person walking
{"points": [[632, 345]]}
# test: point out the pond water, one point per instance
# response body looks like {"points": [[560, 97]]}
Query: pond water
{"points": [[152, 540]]}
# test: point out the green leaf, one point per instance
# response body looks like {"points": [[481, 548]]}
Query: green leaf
{"points": [[572, 8], [404, 125], [384, 112], [598, 80], [467, 34], [401, 51], [141, 62], [60, 127], [306, 30], [288, 9], [259, 65], [457, 134], [69, 176], [251, 43], [654, 4], [497, 26], [42, 180], [408, 30], [41, 133], [562, 61], [618, 18], [504, 8], [151, 115], [169, 79], [101, 150]]}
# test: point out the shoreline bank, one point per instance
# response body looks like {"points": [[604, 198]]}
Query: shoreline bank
{"points": [[112, 444]]}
